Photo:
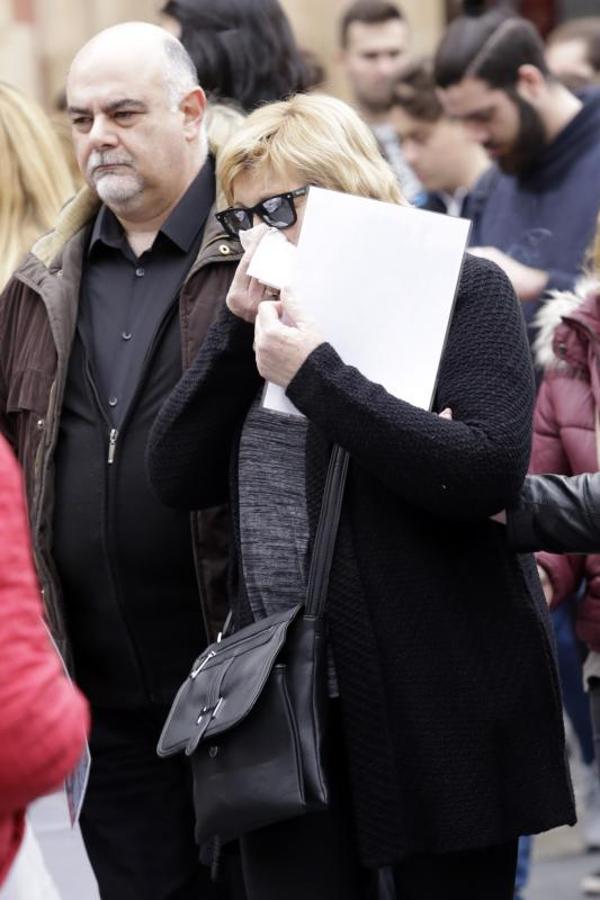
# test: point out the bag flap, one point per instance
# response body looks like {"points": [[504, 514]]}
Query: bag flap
{"points": [[224, 684]]}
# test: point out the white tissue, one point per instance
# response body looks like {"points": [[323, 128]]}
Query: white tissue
{"points": [[274, 260], [246, 237]]}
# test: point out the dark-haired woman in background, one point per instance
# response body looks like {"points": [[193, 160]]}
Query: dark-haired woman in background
{"points": [[244, 50]]}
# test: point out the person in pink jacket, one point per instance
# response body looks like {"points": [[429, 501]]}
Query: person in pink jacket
{"points": [[566, 438], [43, 717]]}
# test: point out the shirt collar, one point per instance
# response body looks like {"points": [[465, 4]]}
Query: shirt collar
{"points": [[183, 224], [454, 202]]}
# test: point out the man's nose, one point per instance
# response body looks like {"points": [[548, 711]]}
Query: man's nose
{"points": [[101, 133], [387, 66]]}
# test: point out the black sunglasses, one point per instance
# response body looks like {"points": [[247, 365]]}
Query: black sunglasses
{"points": [[278, 211]]}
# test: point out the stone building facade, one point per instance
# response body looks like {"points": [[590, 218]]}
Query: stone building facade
{"points": [[39, 37]]}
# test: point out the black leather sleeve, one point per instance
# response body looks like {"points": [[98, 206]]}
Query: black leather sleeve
{"points": [[557, 513]]}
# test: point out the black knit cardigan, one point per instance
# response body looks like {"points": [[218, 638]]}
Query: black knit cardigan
{"points": [[450, 700]]}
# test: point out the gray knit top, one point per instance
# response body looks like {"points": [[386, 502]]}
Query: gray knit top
{"points": [[273, 516], [274, 528]]}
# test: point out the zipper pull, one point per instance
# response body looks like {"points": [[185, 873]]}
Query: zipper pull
{"points": [[112, 445]]}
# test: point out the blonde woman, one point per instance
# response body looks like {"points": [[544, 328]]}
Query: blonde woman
{"points": [[34, 177], [447, 739]]}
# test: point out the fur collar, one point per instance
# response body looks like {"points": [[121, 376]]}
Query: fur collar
{"points": [[550, 315], [73, 216]]}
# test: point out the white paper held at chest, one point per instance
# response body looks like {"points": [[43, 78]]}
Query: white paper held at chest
{"points": [[379, 280]]}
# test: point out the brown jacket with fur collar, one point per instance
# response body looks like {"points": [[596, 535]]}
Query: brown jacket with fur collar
{"points": [[38, 313]]}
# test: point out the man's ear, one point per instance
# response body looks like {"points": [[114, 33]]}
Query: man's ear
{"points": [[531, 83], [193, 107]]}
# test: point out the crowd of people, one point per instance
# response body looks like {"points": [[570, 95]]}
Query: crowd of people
{"points": [[147, 496]]}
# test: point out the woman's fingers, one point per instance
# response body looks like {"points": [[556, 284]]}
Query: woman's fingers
{"points": [[245, 292]]}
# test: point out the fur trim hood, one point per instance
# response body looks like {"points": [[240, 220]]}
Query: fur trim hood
{"points": [[583, 304], [73, 216]]}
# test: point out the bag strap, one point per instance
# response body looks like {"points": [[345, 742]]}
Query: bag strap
{"points": [[326, 535], [325, 538]]}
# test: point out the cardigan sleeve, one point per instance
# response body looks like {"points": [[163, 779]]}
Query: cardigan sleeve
{"points": [[190, 442], [43, 717], [469, 467]]}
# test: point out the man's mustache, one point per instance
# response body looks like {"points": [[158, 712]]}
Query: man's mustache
{"points": [[98, 159]]}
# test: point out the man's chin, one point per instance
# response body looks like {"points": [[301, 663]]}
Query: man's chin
{"points": [[376, 106], [117, 191], [507, 164], [514, 165]]}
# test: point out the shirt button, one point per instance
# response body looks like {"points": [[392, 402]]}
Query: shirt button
{"points": [[140, 271], [113, 401], [126, 335]]}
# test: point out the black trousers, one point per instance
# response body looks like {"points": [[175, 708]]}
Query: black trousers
{"points": [[486, 874], [138, 820], [315, 857], [308, 859]]}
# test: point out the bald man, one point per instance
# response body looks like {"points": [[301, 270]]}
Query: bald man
{"points": [[96, 326]]}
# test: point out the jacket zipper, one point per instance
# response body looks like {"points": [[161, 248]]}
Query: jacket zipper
{"points": [[113, 434], [107, 506]]}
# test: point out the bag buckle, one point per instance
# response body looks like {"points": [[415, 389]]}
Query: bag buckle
{"points": [[209, 709], [207, 714], [199, 668]]}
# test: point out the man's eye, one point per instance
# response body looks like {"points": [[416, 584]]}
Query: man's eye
{"points": [[81, 121], [124, 115]]}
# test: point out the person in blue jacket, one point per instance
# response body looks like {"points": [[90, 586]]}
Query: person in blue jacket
{"points": [[535, 212]]}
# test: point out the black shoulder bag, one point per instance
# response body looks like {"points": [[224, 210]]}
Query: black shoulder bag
{"points": [[252, 712]]}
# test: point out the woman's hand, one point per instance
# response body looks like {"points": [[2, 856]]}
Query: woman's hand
{"points": [[245, 292], [281, 349]]}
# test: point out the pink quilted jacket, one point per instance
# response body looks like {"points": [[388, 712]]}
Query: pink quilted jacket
{"points": [[565, 433]]}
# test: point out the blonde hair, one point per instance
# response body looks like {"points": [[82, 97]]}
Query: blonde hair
{"points": [[222, 121], [318, 138], [34, 177]]}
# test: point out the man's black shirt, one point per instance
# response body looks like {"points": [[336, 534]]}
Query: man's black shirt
{"points": [[124, 298]]}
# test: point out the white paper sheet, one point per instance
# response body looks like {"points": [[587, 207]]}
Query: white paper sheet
{"points": [[379, 280], [76, 783]]}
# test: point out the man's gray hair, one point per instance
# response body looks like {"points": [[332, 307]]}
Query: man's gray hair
{"points": [[179, 69]]}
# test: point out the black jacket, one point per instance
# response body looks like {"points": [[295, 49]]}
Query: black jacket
{"points": [[557, 513], [450, 700]]}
